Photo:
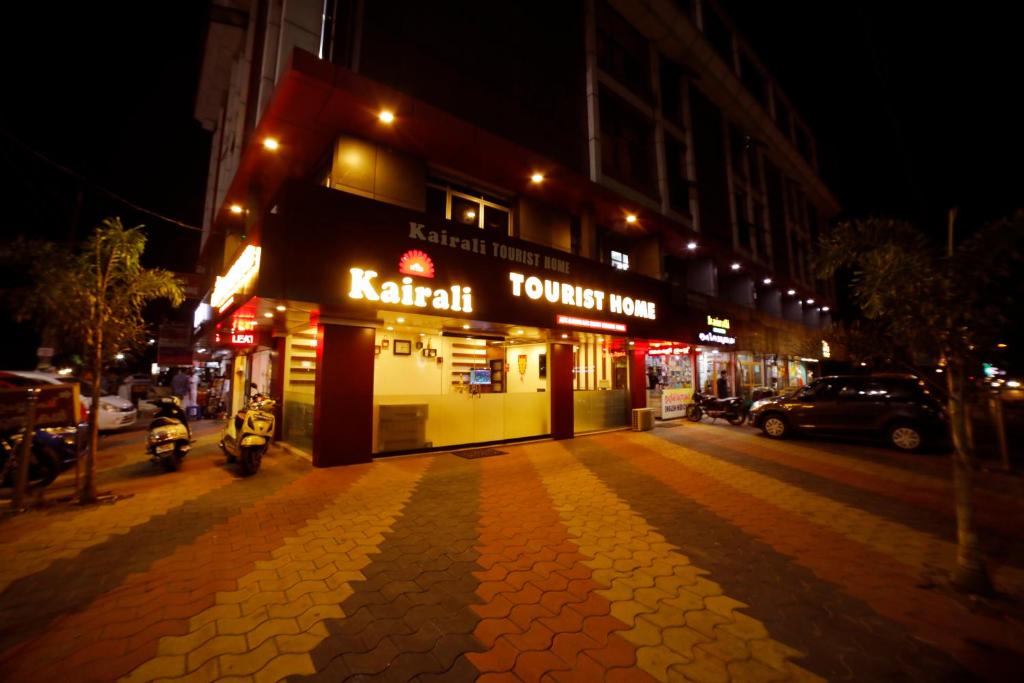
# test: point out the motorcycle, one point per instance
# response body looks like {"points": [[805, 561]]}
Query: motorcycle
{"points": [[54, 449], [170, 437], [729, 408], [247, 436]]}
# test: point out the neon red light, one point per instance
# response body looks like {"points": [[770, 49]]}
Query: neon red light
{"points": [[417, 263], [589, 324], [669, 351]]}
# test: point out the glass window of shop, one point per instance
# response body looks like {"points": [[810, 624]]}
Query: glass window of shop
{"points": [[711, 362], [797, 374], [669, 368], [600, 383], [431, 389], [299, 388], [751, 372]]}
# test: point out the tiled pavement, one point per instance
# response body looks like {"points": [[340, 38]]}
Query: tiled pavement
{"points": [[694, 552]]}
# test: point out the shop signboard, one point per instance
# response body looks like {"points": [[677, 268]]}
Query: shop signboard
{"points": [[717, 332], [673, 402], [57, 406], [407, 261]]}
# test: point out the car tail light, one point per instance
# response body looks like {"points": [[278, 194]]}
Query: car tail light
{"points": [[83, 412]]}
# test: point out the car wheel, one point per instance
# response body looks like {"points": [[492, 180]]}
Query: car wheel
{"points": [[906, 437], [774, 426]]}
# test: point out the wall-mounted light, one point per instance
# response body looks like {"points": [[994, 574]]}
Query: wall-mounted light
{"points": [[271, 144], [386, 116]]}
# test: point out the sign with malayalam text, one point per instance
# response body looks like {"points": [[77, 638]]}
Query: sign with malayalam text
{"points": [[673, 402]]}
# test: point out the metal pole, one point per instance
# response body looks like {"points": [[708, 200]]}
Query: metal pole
{"points": [[26, 449]]}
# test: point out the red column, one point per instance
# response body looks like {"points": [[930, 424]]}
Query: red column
{"points": [[560, 386], [637, 375], [343, 407]]}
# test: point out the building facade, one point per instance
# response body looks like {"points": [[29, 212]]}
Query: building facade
{"points": [[438, 224]]}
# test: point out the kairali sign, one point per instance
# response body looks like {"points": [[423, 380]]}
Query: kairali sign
{"points": [[395, 259]]}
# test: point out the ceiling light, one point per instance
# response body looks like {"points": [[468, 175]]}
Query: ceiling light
{"points": [[465, 327], [631, 218], [800, 302], [767, 280], [282, 307], [537, 178], [1000, 345], [271, 143], [565, 336], [691, 246], [268, 314], [810, 301], [735, 266], [825, 308], [519, 331], [470, 213], [390, 328], [119, 356], [791, 292], [235, 209], [386, 116], [399, 320]]}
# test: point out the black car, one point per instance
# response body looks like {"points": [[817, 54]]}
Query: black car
{"points": [[902, 409]]}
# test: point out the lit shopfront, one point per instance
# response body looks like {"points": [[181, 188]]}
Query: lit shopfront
{"points": [[394, 332]]}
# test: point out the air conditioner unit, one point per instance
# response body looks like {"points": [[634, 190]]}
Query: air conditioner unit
{"points": [[643, 419]]}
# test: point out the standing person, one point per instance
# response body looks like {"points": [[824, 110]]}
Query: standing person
{"points": [[180, 385], [723, 385], [652, 378]]}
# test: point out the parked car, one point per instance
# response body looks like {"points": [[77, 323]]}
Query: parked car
{"points": [[901, 409], [115, 412]]}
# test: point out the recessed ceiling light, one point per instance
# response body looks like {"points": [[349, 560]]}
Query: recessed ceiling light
{"points": [[519, 331], [470, 213], [825, 308], [565, 336], [691, 246], [631, 218], [537, 178], [235, 209], [810, 301], [791, 292], [386, 116], [465, 327], [735, 266], [767, 281], [271, 143], [800, 302], [281, 307], [399, 320], [268, 314], [390, 327]]}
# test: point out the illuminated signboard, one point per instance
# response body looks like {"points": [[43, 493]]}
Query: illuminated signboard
{"points": [[242, 332], [363, 285], [415, 262], [241, 274], [669, 351], [719, 333], [589, 324], [567, 294]]}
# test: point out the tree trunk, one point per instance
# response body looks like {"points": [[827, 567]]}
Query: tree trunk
{"points": [[971, 575], [88, 492]]}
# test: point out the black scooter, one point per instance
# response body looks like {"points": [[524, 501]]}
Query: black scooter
{"points": [[729, 408]]}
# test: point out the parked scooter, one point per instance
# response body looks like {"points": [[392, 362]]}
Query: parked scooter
{"points": [[729, 408], [247, 436], [170, 437]]}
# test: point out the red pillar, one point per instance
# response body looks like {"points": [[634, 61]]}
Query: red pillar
{"points": [[343, 407], [560, 385], [637, 375]]}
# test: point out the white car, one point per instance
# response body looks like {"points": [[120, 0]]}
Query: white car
{"points": [[115, 412]]}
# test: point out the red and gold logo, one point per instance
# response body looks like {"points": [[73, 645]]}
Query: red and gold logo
{"points": [[416, 263]]}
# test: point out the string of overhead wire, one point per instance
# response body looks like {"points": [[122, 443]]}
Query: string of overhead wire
{"points": [[93, 184]]}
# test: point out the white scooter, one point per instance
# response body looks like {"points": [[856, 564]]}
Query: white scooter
{"points": [[170, 437], [247, 435]]}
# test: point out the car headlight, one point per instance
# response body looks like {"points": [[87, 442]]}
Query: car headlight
{"points": [[760, 403], [108, 407]]}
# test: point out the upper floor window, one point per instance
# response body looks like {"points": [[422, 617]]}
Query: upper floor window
{"points": [[468, 207], [622, 51], [620, 260], [627, 144]]}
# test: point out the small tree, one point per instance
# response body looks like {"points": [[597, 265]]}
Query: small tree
{"points": [[931, 306], [93, 300]]}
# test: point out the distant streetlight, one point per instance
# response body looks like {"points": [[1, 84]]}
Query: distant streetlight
{"points": [[386, 117]]}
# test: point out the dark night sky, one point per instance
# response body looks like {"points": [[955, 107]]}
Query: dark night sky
{"points": [[916, 106]]}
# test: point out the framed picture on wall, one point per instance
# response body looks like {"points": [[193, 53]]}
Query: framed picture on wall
{"points": [[384, 343], [403, 347]]}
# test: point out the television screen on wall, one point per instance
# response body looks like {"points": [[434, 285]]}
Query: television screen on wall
{"points": [[480, 376]]}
